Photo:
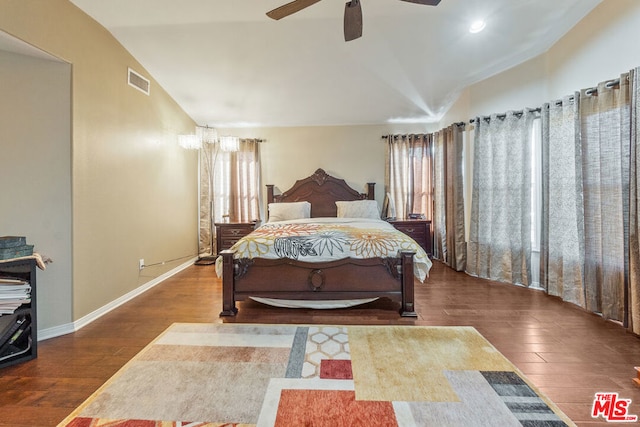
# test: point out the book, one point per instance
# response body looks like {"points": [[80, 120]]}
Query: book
{"points": [[10, 281], [13, 294], [16, 251], [13, 284], [12, 241], [15, 290], [11, 307]]}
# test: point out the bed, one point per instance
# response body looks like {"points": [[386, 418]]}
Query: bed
{"points": [[322, 247]]}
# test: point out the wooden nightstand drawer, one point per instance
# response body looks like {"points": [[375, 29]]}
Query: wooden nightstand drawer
{"points": [[235, 230], [227, 234], [413, 231], [418, 229]]}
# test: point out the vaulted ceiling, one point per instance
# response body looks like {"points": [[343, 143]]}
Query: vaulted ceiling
{"points": [[227, 64]]}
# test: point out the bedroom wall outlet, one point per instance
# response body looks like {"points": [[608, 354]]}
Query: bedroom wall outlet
{"points": [[141, 263]]}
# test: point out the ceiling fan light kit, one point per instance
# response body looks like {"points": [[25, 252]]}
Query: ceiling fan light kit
{"points": [[477, 26], [352, 14]]}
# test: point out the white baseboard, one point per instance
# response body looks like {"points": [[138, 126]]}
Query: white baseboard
{"points": [[68, 328]]}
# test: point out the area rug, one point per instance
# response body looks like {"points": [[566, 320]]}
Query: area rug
{"points": [[205, 375]]}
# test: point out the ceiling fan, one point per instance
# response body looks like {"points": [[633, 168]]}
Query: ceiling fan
{"points": [[352, 14]]}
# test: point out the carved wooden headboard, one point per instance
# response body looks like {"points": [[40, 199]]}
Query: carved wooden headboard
{"points": [[322, 191]]}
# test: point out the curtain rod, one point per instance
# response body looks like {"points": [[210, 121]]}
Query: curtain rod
{"points": [[558, 102], [614, 83], [503, 115], [421, 135], [588, 92], [609, 85]]}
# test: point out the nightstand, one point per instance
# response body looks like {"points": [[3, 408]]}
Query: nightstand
{"points": [[418, 229], [228, 233]]}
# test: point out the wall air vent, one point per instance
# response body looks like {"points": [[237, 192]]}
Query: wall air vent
{"points": [[137, 81]]}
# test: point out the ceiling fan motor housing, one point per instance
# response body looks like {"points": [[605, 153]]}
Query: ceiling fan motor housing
{"points": [[352, 20]]}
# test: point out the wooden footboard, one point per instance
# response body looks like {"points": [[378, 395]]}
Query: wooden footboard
{"points": [[392, 278]]}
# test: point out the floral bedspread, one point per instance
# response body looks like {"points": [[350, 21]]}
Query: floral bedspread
{"points": [[328, 239]]}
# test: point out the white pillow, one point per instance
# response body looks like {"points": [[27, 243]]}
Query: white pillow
{"points": [[358, 209], [287, 211]]}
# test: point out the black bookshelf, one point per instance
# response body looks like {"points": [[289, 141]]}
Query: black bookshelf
{"points": [[24, 346]]}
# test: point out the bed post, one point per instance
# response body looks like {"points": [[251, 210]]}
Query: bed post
{"points": [[269, 193], [371, 190], [228, 285], [407, 309]]}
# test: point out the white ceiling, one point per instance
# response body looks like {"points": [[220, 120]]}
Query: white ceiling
{"points": [[227, 64]]}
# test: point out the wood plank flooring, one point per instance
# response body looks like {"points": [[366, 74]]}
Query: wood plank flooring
{"points": [[568, 353]]}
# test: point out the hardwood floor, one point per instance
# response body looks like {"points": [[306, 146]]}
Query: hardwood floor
{"points": [[568, 353]]}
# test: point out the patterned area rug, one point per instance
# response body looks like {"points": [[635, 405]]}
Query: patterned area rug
{"points": [[205, 375]]}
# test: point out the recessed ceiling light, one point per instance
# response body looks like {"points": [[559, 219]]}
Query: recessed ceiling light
{"points": [[477, 26]]}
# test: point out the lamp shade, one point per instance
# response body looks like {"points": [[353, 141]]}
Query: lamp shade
{"points": [[229, 143], [190, 142]]}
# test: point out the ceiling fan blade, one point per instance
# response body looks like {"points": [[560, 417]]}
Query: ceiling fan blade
{"points": [[290, 8], [425, 2], [352, 20]]}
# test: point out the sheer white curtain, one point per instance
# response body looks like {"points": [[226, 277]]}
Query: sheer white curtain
{"points": [[499, 246], [448, 222], [244, 183], [229, 187], [409, 173]]}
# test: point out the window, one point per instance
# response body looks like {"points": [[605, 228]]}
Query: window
{"points": [[409, 178]]}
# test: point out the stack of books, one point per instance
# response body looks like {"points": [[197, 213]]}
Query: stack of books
{"points": [[14, 247], [13, 293], [15, 335]]}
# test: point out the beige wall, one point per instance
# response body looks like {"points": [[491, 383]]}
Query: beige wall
{"points": [[35, 153], [353, 153], [600, 47], [134, 192]]}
